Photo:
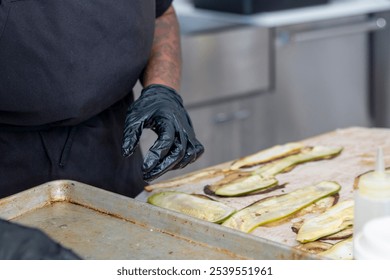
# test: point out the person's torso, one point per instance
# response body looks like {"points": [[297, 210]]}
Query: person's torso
{"points": [[64, 61]]}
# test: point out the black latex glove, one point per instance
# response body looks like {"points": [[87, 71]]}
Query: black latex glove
{"points": [[18, 242], [161, 109]]}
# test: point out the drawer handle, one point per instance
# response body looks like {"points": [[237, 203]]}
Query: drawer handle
{"points": [[240, 115], [222, 118], [342, 30]]}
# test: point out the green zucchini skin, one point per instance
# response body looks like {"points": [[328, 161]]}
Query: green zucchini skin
{"points": [[193, 205], [277, 207]]}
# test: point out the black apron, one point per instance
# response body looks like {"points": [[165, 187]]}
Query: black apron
{"points": [[64, 61], [67, 68], [88, 152]]}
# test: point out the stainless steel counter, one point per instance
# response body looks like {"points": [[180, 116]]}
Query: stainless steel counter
{"points": [[334, 9]]}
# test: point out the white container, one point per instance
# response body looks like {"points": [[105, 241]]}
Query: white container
{"points": [[373, 242], [372, 201]]}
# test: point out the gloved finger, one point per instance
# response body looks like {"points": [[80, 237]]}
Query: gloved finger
{"points": [[176, 154], [131, 135], [189, 156], [199, 148], [194, 151], [161, 147]]}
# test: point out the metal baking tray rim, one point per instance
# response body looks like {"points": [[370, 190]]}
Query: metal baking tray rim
{"points": [[238, 244]]}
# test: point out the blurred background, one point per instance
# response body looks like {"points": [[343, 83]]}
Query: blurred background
{"points": [[257, 73]]}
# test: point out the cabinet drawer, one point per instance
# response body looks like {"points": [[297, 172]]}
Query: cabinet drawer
{"points": [[224, 63]]}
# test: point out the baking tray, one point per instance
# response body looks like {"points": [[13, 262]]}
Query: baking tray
{"points": [[98, 224]]}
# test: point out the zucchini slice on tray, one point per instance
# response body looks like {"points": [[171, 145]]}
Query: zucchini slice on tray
{"points": [[267, 155], [334, 220], [185, 179], [203, 208], [263, 177], [242, 186], [277, 207], [342, 250], [314, 247], [308, 154]]}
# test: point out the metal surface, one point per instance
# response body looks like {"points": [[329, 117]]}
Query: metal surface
{"points": [[380, 72], [321, 83], [98, 224], [367, 26], [254, 6], [219, 63], [334, 10]]}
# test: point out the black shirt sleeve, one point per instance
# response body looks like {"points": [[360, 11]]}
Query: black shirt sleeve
{"points": [[162, 6]]}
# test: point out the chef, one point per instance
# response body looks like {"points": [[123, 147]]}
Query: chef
{"points": [[67, 70]]}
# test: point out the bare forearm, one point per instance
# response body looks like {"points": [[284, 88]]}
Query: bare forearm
{"points": [[164, 66]]}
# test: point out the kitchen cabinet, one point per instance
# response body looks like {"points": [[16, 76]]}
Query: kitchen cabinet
{"points": [[322, 76], [233, 129]]}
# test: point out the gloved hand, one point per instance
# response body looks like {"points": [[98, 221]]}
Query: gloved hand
{"points": [[161, 109], [18, 242]]}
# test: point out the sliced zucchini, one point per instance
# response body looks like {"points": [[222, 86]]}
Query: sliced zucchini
{"points": [[185, 179], [344, 234], [277, 207], [335, 219], [267, 155], [342, 250], [308, 154], [230, 176], [192, 205], [242, 186], [314, 247]]}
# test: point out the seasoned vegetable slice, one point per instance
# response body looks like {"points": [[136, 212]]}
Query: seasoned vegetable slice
{"points": [[344, 234], [192, 205], [314, 247], [243, 186], [335, 219], [263, 177], [342, 250], [267, 155], [308, 154], [185, 179], [274, 208]]}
